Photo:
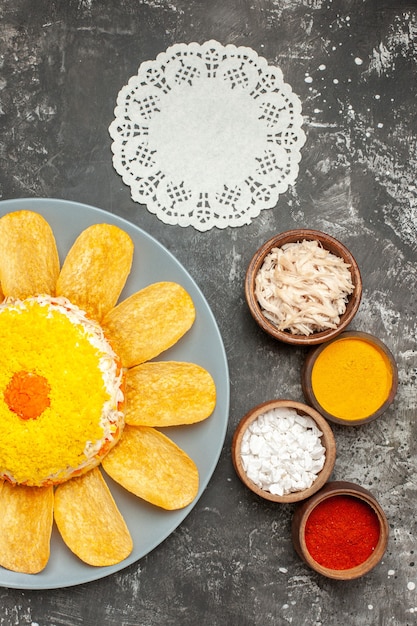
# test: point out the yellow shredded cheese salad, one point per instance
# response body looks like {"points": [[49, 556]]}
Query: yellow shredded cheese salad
{"points": [[51, 345]]}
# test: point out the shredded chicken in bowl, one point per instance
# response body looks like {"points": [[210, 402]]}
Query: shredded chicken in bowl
{"points": [[303, 288]]}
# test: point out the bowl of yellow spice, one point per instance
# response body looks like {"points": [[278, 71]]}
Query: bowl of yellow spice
{"points": [[351, 379], [303, 287]]}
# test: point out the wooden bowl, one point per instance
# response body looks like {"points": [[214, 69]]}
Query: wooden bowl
{"points": [[329, 243], [307, 372], [327, 440], [305, 508]]}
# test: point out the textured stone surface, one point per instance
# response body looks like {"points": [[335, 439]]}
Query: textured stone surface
{"points": [[353, 64]]}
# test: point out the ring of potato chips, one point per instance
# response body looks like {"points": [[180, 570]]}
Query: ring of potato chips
{"points": [[145, 461]]}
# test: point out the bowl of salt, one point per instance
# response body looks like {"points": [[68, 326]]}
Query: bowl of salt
{"points": [[283, 451]]}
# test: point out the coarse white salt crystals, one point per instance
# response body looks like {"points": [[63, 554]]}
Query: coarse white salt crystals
{"points": [[281, 451]]}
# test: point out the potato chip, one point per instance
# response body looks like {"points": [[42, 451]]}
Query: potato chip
{"points": [[96, 268], [25, 527], [90, 522], [168, 393], [29, 263], [153, 467], [149, 322]]}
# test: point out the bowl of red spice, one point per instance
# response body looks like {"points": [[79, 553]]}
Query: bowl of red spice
{"points": [[303, 287], [283, 450], [341, 531], [351, 379]]}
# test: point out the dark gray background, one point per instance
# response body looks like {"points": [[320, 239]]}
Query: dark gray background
{"points": [[62, 64]]}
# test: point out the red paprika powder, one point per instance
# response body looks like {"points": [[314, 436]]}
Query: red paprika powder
{"points": [[342, 532]]}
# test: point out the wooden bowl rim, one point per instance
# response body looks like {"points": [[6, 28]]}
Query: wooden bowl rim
{"points": [[307, 368], [328, 242], [331, 489], [328, 441]]}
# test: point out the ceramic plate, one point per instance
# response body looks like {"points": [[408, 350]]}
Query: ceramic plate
{"points": [[149, 526]]}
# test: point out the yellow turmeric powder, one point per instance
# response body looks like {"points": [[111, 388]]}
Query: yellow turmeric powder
{"points": [[351, 378]]}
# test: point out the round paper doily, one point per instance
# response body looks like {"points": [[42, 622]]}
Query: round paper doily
{"points": [[207, 135]]}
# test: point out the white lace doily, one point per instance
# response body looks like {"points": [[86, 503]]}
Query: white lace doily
{"points": [[207, 135]]}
